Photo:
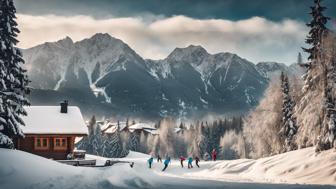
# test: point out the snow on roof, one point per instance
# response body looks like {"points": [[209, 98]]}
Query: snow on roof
{"points": [[141, 126], [151, 131], [49, 120], [176, 130], [109, 127]]}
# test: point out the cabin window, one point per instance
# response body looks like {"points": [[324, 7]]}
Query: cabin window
{"points": [[41, 143], [60, 143]]}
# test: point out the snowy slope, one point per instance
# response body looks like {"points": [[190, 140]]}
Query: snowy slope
{"points": [[302, 166]]}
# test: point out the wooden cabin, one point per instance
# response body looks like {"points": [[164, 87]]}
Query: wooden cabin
{"points": [[50, 131]]}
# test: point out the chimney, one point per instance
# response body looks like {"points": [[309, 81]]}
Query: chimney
{"points": [[64, 107]]}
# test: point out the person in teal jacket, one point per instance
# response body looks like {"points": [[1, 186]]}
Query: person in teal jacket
{"points": [[190, 160], [150, 162], [166, 163]]}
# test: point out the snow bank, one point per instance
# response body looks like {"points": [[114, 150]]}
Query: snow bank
{"points": [[133, 155], [302, 166]]}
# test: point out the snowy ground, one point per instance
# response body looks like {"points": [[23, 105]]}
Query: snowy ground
{"points": [[291, 170]]}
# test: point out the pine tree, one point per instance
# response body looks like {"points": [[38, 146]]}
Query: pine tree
{"points": [[86, 142], [202, 141], [13, 78], [310, 112], [328, 139], [97, 141], [113, 146], [328, 134], [133, 141], [317, 32], [318, 29], [289, 126]]}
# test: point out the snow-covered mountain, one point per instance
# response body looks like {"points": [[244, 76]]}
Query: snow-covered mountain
{"points": [[273, 69], [104, 73]]}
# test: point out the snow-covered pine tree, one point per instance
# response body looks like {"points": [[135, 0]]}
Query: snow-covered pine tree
{"points": [[113, 146], [86, 142], [262, 125], [289, 127], [133, 141], [97, 141], [310, 112], [327, 137], [317, 25], [202, 140], [317, 32], [13, 78]]}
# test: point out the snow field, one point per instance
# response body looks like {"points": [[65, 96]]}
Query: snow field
{"points": [[301, 166]]}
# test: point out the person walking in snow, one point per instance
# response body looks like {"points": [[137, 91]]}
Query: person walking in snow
{"points": [[214, 154], [159, 158], [197, 159], [166, 163], [182, 160], [150, 162], [190, 160]]}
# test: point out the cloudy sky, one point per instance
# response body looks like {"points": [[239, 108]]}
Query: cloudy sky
{"points": [[258, 30]]}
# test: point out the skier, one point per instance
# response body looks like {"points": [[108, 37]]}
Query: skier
{"points": [[150, 162], [159, 158], [214, 154], [197, 159], [181, 160], [166, 163], [190, 160]]}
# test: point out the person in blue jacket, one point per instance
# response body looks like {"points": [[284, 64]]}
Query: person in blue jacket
{"points": [[166, 163], [190, 160], [150, 162]]}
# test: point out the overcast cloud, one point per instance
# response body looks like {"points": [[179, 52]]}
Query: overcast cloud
{"points": [[256, 39]]}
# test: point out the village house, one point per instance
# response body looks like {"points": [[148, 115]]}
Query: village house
{"points": [[108, 127], [50, 131]]}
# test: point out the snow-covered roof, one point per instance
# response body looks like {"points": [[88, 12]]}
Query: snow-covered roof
{"points": [[176, 130], [49, 120], [141, 126], [109, 127], [151, 131]]}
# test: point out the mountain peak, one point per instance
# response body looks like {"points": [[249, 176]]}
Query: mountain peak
{"points": [[193, 53], [62, 43], [103, 36], [106, 39], [66, 40], [197, 49]]}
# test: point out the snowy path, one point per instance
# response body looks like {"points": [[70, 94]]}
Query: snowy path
{"points": [[39, 173]]}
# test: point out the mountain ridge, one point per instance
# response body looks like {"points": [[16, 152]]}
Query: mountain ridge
{"points": [[189, 81]]}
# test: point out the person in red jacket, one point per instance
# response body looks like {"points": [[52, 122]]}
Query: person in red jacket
{"points": [[214, 154], [181, 160]]}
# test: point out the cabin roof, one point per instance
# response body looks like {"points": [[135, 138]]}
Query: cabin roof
{"points": [[141, 126], [111, 127], [49, 120]]}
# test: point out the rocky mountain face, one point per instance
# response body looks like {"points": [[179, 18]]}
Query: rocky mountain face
{"points": [[274, 69], [104, 76]]}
